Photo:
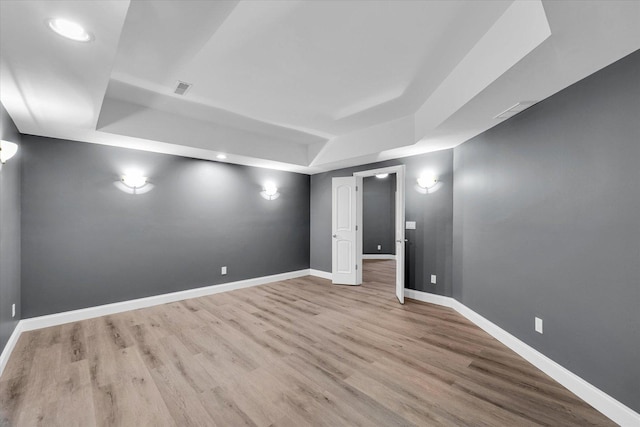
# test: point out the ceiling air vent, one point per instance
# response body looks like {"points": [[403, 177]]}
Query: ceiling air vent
{"points": [[182, 88], [512, 111]]}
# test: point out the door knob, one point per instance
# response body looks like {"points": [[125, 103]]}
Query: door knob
{"points": [[335, 236]]}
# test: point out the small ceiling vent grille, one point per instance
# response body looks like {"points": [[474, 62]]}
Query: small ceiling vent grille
{"points": [[182, 88], [512, 111]]}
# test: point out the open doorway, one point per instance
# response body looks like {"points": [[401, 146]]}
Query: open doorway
{"points": [[378, 230], [347, 230]]}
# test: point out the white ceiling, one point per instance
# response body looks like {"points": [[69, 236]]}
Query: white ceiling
{"points": [[305, 86]]}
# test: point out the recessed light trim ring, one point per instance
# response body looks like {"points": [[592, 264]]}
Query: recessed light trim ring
{"points": [[70, 30]]}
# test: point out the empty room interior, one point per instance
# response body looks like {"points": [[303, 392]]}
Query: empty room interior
{"points": [[319, 213]]}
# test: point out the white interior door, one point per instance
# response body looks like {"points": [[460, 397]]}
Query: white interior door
{"points": [[344, 215], [400, 239]]}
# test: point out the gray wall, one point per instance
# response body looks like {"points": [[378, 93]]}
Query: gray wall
{"points": [[9, 232], [547, 224], [378, 215], [86, 243], [430, 245]]}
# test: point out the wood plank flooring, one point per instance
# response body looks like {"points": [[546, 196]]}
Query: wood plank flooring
{"points": [[300, 352]]}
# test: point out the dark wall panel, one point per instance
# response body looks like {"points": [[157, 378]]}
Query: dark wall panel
{"points": [[379, 215], [9, 232], [85, 242], [547, 224]]}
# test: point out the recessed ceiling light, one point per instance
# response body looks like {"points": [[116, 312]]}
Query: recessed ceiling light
{"points": [[221, 156], [69, 29], [382, 175]]}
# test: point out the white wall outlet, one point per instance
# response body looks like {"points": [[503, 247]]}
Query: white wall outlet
{"points": [[538, 325], [379, 247], [13, 310], [410, 225], [433, 279], [223, 270]]}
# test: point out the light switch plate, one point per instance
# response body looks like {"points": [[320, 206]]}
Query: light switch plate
{"points": [[538, 325], [433, 279], [411, 225]]}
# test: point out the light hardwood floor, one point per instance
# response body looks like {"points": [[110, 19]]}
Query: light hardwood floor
{"points": [[294, 353]]}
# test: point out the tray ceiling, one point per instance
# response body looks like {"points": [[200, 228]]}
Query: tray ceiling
{"points": [[305, 86]]}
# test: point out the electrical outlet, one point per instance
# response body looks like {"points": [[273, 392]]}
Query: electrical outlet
{"points": [[433, 279], [538, 325], [13, 310], [379, 247], [223, 270]]}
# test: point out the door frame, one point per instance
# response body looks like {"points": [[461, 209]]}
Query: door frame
{"points": [[399, 226]]}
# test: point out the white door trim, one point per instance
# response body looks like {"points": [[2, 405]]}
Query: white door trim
{"points": [[400, 221]]}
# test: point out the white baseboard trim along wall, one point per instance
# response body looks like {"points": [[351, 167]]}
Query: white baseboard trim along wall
{"points": [[595, 397], [13, 340], [119, 307], [616, 411], [378, 256], [320, 273]]}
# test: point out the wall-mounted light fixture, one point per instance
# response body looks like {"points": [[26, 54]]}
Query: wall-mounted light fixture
{"points": [[270, 191], [427, 183], [7, 150], [134, 180], [382, 175]]}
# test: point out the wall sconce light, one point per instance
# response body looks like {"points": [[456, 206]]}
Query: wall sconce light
{"points": [[134, 180], [7, 150], [427, 183], [270, 191]]}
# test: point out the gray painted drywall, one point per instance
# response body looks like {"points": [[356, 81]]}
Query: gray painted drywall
{"points": [[547, 224], [86, 243], [429, 247], [9, 232], [378, 215]]}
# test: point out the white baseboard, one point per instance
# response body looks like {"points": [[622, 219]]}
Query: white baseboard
{"points": [[378, 256], [604, 403], [11, 344], [320, 273], [428, 297], [607, 405], [119, 307]]}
